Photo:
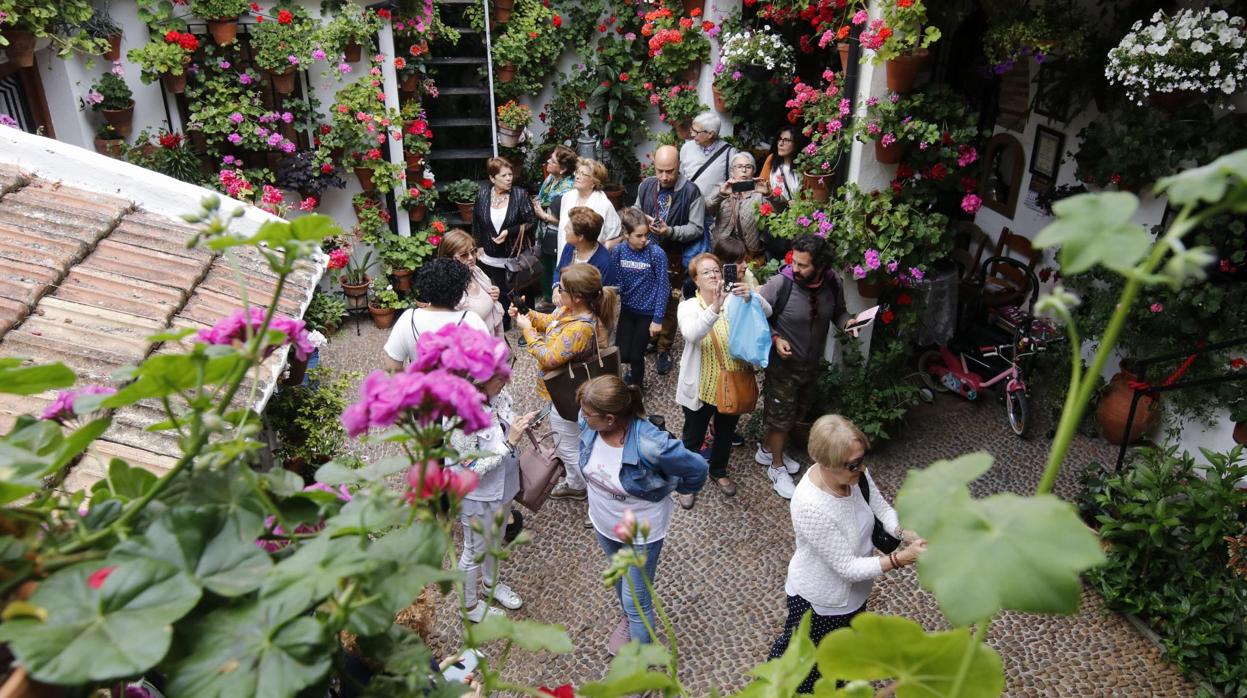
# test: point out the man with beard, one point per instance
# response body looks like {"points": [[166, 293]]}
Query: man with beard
{"points": [[805, 298], [674, 210]]}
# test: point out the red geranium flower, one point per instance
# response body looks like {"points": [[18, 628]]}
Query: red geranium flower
{"points": [[564, 691], [327, 168], [695, 13], [285, 17], [557, 21], [887, 317], [623, 77], [96, 580], [170, 140], [1238, 363], [255, 7], [904, 299], [438, 227], [383, 13], [787, 257], [707, 26], [766, 209]]}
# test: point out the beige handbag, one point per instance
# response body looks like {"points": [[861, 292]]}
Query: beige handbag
{"points": [[539, 470]]}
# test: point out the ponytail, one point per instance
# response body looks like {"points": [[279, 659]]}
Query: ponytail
{"points": [[603, 307], [610, 395]]}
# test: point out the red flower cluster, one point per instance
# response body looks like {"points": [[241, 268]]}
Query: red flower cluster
{"points": [[1238, 363], [557, 21], [284, 17], [383, 13], [187, 40], [170, 140]]}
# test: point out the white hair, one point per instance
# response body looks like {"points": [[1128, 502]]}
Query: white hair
{"points": [[742, 155], [708, 121]]}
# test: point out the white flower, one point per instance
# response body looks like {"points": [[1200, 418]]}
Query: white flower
{"points": [[1228, 85]]}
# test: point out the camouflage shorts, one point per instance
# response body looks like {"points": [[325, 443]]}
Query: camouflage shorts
{"points": [[787, 394]]}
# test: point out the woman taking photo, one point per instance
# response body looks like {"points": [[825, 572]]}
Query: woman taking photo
{"points": [[587, 191], [560, 174], [500, 222], [575, 330], [833, 510], [482, 296], [735, 212], [705, 329], [631, 466]]}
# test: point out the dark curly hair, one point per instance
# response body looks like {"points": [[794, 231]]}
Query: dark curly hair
{"points": [[441, 282], [816, 247]]}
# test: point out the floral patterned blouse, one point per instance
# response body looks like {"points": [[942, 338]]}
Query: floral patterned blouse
{"points": [[557, 338]]}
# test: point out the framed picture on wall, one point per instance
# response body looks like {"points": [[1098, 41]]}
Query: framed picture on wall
{"points": [[1046, 152], [1052, 97]]}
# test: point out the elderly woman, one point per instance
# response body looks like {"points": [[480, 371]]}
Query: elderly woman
{"points": [[500, 223], [587, 191], [632, 467], [560, 175], [439, 286], [482, 296], [581, 324], [834, 510], [705, 329], [735, 212]]}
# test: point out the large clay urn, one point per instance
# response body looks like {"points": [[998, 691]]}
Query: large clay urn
{"points": [[1114, 408]]}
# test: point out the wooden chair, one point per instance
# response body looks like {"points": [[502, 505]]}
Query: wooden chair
{"points": [[1006, 285], [969, 245]]}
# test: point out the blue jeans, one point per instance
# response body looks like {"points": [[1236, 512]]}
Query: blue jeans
{"points": [[636, 626]]}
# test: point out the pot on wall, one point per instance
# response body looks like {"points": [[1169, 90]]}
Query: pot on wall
{"points": [[21, 48], [175, 84], [502, 10], [902, 71], [683, 129], [465, 211], [869, 289], [223, 29], [816, 186], [842, 48], [283, 82], [1114, 408], [719, 104], [353, 52], [1240, 433], [114, 48], [691, 73], [364, 174], [356, 294], [414, 162], [121, 119], [508, 137], [112, 147], [615, 192], [889, 154], [402, 279], [506, 72], [417, 214]]}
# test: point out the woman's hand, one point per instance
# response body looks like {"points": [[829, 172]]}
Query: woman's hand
{"points": [[912, 552], [521, 321], [502, 237], [493, 292], [719, 297], [741, 290], [518, 427], [655, 328], [725, 189]]}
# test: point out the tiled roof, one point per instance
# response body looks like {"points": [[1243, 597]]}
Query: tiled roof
{"points": [[86, 278]]}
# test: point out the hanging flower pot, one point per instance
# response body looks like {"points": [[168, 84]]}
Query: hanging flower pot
{"points": [[502, 10], [21, 48], [506, 73], [410, 83], [402, 279], [283, 82], [365, 177], [356, 294], [683, 129], [903, 70], [1172, 102], [383, 318], [415, 162], [120, 119], [223, 29], [690, 5], [868, 289], [719, 104], [508, 137], [1240, 433], [175, 84], [465, 211], [353, 51], [114, 48], [815, 185], [691, 73], [843, 49], [112, 147], [417, 214], [889, 154], [1114, 408]]}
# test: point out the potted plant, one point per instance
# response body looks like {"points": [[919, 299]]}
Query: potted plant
{"points": [[462, 193], [102, 27], [111, 96], [513, 118], [30, 20], [616, 105], [677, 46], [222, 17], [899, 40], [823, 113], [283, 44], [421, 193], [169, 154], [1132, 147], [108, 141], [355, 280], [416, 138], [677, 105], [325, 313], [879, 239], [384, 303], [758, 54], [348, 31], [892, 124], [306, 420], [1049, 30], [166, 59], [307, 174], [1172, 60], [371, 216]]}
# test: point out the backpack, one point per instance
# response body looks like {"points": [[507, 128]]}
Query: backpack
{"points": [[781, 300]]}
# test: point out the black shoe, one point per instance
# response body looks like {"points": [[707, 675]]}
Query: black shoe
{"points": [[738, 439], [651, 347], [664, 363], [521, 342], [514, 526]]}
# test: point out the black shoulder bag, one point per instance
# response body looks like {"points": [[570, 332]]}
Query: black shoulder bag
{"points": [[882, 540]]}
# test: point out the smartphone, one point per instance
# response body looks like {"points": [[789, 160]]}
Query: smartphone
{"points": [[729, 275], [519, 301], [864, 318], [741, 187], [541, 416]]}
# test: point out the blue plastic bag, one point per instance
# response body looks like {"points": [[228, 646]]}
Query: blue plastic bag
{"points": [[748, 332]]}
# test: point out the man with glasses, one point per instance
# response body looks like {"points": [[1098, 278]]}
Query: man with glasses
{"points": [[805, 298], [675, 211]]}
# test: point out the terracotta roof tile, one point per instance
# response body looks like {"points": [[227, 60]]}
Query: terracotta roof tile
{"points": [[221, 280], [34, 248], [116, 292], [93, 341], [45, 194], [130, 424], [149, 265], [13, 406], [170, 240], [26, 283], [11, 313], [52, 223], [11, 178]]}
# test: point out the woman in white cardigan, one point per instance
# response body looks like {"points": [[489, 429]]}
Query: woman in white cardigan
{"points": [[587, 191], [834, 565], [703, 323]]}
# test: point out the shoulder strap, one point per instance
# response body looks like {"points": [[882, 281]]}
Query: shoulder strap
{"points": [[785, 290], [708, 162], [415, 334], [864, 484], [460, 321]]}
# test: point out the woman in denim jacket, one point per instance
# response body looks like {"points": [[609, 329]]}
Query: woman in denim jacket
{"points": [[630, 465]]}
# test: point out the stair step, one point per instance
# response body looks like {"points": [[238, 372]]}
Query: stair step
{"points": [[468, 90], [457, 60], [460, 154], [452, 122]]}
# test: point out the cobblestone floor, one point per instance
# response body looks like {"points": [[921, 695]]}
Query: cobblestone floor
{"points": [[723, 566]]}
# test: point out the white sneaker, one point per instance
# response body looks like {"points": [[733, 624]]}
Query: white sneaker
{"points": [[781, 481], [479, 612], [504, 596], [763, 457]]}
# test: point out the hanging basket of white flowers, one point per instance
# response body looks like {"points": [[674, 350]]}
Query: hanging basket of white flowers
{"points": [[759, 54], [1175, 59]]}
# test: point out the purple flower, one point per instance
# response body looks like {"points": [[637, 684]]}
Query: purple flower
{"points": [[873, 128], [117, 69], [630, 36], [261, 132], [924, 145], [244, 78], [94, 97], [971, 204], [891, 267], [916, 273], [228, 160], [887, 140], [736, 74], [894, 97], [223, 65], [318, 54], [426, 397], [718, 69], [844, 107], [803, 221], [344, 67], [872, 101], [462, 351], [274, 140], [235, 329], [872, 259], [287, 147], [820, 215], [858, 272], [825, 227], [236, 118], [287, 117], [294, 60], [234, 138], [810, 148], [62, 408]]}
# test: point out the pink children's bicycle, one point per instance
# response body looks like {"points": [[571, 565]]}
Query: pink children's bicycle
{"points": [[993, 346]]}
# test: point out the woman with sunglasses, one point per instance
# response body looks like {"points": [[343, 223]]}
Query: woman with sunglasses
{"points": [[482, 296], [834, 565]]}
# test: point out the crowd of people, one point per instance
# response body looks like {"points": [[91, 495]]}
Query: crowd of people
{"points": [[675, 260]]}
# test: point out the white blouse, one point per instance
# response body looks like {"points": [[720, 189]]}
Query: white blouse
{"points": [[596, 201]]}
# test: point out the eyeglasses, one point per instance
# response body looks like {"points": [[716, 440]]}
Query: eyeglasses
{"points": [[698, 131], [469, 254], [710, 272], [854, 465], [745, 166], [784, 139]]}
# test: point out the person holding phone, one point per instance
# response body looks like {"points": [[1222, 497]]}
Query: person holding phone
{"points": [[735, 207], [640, 268], [482, 296]]}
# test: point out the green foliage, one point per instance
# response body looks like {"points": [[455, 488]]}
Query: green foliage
{"points": [[617, 107], [168, 154], [1166, 520], [114, 91], [678, 103], [630, 672], [1052, 28], [876, 393], [409, 252], [305, 417], [897, 230], [56, 21], [160, 17], [219, 9], [460, 190], [214, 94], [159, 57], [531, 41], [280, 47], [325, 312], [350, 25], [563, 113], [384, 295]]}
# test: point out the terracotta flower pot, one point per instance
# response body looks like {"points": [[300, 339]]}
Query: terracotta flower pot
{"points": [[902, 71], [383, 318], [21, 48], [415, 161], [298, 369], [867, 289], [353, 52], [719, 104], [114, 48], [356, 294], [816, 186], [691, 73], [112, 147], [889, 154], [175, 84], [283, 82], [410, 83], [508, 137], [223, 29], [506, 73], [365, 177], [502, 10], [843, 49], [121, 119], [614, 192], [683, 129], [402, 279], [1240, 432], [465, 211], [1114, 408], [418, 213]]}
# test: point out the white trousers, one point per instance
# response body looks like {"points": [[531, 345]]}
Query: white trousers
{"points": [[567, 438]]}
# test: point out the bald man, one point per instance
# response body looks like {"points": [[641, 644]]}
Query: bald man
{"points": [[676, 212]]}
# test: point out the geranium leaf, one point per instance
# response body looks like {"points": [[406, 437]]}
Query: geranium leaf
{"points": [[16, 379], [1037, 545], [1207, 183], [313, 572], [1096, 229], [924, 665], [629, 672], [260, 649], [121, 629], [526, 634]]}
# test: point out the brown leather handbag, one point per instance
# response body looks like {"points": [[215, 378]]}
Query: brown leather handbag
{"points": [[562, 383], [737, 392], [539, 470]]}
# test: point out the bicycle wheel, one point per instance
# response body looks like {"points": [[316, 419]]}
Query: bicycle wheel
{"points": [[1015, 407], [932, 381]]}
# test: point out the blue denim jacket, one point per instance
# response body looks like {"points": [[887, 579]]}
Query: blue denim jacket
{"points": [[655, 463]]}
